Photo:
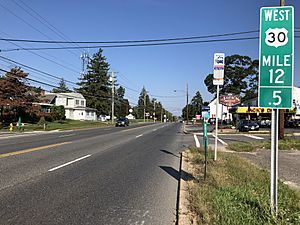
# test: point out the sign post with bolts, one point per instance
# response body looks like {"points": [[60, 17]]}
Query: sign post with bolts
{"points": [[276, 75], [219, 62]]}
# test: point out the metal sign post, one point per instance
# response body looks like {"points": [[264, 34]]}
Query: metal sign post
{"points": [[276, 75], [219, 62], [205, 140]]}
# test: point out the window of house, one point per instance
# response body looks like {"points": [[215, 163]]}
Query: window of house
{"points": [[87, 113], [92, 113], [82, 103], [77, 102]]}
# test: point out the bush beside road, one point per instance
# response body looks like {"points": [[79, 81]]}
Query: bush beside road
{"points": [[237, 192]]}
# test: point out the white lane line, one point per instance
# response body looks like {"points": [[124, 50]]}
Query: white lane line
{"points": [[68, 163], [196, 141], [154, 129], [66, 135], [220, 140], [139, 136], [254, 137]]}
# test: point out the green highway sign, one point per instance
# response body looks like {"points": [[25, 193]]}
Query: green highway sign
{"points": [[276, 67]]}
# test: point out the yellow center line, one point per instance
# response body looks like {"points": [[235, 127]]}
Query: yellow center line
{"points": [[32, 149]]}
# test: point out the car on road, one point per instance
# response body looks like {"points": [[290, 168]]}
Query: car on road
{"points": [[247, 125], [122, 122]]}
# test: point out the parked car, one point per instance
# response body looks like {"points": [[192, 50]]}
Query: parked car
{"points": [[122, 122], [292, 123], [265, 122], [247, 125]]}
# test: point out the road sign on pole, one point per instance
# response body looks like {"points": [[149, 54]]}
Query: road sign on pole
{"points": [[276, 75], [219, 64], [219, 61], [276, 70]]}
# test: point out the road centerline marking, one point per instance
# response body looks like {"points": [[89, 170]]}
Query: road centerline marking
{"points": [[32, 149], [66, 135], [139, 136], [68, 163]]}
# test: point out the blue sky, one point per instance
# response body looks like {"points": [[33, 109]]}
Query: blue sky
{"points": [[161, 69]]}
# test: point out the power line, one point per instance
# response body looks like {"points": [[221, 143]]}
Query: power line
{"points": [[130, 41], [37, 70], [136, 45], [42, 20], [43, 57]]}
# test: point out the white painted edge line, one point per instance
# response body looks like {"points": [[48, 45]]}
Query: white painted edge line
{"points": [[254, 137], [139, 136], [196, 141], [154, 129], [202, 133], [66, 135], [68, 163], [223, 142]]}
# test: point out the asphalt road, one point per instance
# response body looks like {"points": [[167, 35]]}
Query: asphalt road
{"points": [[98, 176]]}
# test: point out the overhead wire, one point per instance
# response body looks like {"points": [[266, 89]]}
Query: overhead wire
{"points": [[42, 20], [43, 57]]}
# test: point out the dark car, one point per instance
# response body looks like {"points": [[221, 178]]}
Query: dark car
{"points": [[122, 122], [247, 125]]}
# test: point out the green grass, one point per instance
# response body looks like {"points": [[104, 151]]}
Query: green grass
{"points": [[288, 143], [241, 146], [63, 125], [237, 192]]}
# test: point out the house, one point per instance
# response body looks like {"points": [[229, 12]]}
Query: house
{"points": [[223, 111], [75, 106]]}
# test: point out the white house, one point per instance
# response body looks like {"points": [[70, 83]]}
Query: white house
{"points": [[222, 110], [75, 106]]}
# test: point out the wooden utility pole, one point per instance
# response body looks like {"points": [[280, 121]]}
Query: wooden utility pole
{"points": [[281, 111]]}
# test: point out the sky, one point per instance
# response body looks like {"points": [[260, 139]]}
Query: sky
{"points": [[161, 69]]}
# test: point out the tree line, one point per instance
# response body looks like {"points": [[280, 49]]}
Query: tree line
{"points": [[17, 95]]}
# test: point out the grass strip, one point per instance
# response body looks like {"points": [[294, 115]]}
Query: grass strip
{"points": [[287, 143], [236, 192]]}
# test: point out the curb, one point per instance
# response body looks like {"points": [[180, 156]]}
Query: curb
{"points": [[183, 213]]}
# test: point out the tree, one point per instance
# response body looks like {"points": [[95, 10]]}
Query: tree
{"points": [[63, 88], [143, 103], [95, 84], [240, 76], [15, 93], [58, 112], [122, 105], [197, 102]]}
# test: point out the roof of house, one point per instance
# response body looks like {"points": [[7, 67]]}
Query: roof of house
{"points": [[48, 98], [70, 95]]}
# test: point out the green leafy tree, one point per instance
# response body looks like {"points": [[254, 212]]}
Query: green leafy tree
{"points": [[122, 105], [58, 112], [240, 77], [95, 85], [143, 103], [63, 88]]}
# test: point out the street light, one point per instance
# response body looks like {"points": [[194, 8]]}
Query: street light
{"points": [[187, 102]]}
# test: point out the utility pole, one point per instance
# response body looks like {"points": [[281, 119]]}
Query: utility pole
{"points": [[84, 57], [112, 97], [154, 112], [161, 115], [144, 107], [187, 103]]}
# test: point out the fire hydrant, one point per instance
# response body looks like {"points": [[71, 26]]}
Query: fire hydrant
{"points": [[11, 127]]}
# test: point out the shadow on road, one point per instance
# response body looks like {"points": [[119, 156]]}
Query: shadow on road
{"points": [[175, 174], [170, 153]]}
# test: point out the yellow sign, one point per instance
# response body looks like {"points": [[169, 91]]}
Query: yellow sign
{"points": [[259, 110], [253, 110]]}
